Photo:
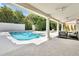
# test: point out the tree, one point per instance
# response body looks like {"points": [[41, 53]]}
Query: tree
{"points": [[32, 18], [10, 16], [36, 21], [39, 22], [28, 25], [53, 25], [18, 16], [6, 14]]}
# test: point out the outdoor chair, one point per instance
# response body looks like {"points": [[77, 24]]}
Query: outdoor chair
{"points": [[63, 34], [73, 35]]}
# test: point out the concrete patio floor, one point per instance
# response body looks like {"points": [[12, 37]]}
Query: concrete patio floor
{"points": [[54, 47]]}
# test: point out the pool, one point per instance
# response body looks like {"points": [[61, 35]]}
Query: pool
{"points": [[22, 36]]}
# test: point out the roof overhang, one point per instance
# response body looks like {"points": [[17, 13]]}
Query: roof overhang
{"points": [[61, 12], [37, 11]]}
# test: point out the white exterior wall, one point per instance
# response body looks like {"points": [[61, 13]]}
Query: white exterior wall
{"points": [[77, 27], [8, 27]]}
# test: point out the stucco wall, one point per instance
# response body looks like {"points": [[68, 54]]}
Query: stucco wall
{"points": [[77, 28], [8, 27]]}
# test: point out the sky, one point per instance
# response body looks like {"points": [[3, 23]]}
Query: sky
{"points": [[13, 7]]}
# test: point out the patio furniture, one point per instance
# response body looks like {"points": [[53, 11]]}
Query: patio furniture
{"points": [[73, 35], [70, 35], [63, 34]]}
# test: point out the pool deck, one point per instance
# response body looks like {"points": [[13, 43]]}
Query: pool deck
{"points": [[53, 47]]}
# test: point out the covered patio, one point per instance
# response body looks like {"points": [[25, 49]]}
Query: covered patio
{"points": [[59, 13]]}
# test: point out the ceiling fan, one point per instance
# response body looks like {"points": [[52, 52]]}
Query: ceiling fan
{"points": [[63, 8]]}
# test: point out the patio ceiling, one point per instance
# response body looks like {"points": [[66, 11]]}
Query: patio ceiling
{"points": [[59, 11]]}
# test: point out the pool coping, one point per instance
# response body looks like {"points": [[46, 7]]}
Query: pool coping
{"points": [[35, 41]]}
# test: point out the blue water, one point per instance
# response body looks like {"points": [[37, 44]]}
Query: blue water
{"points": [[24, 35]]}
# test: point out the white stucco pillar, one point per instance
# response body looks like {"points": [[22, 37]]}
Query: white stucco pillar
{"points": [[33, 28], [57, 26], [47, 28], [62, 27]]}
